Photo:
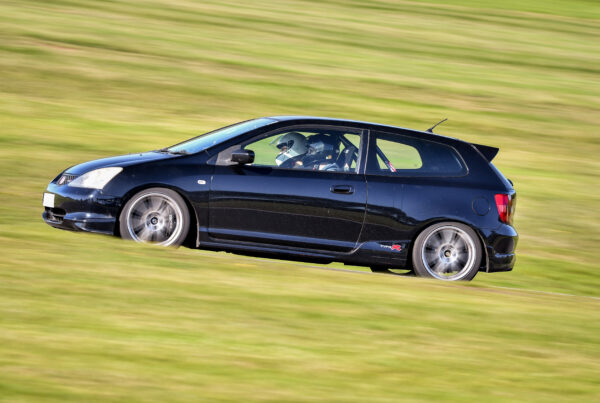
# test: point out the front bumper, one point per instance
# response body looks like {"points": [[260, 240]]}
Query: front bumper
{"points": [[500, 247], [79, 209]]}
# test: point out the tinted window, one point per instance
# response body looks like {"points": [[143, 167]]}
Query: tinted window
{"points": [[401, 156], [219, 136], [392, 154], [316, 149]]}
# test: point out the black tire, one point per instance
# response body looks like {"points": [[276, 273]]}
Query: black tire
{"points": [[155, 215], [448, 251]]}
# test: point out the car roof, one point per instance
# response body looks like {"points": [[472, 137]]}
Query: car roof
{"points": [[320, 119]]}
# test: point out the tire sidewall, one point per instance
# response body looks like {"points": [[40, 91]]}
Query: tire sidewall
{"points": [[419, 266], [124, 231]]}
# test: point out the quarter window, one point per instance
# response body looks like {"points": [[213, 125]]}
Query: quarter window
{"points": [[399, 155], [393, 154]]}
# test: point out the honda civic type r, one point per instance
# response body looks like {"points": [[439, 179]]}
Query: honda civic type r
{"points": [[305, 188]]}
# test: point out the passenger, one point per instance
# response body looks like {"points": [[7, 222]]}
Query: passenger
{"points": [[322, 154]]}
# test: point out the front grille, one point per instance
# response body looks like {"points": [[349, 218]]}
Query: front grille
{"points": [[55, 214], [65, 179]]}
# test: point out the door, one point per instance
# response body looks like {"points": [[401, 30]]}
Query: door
{"points": [[302, 190]]}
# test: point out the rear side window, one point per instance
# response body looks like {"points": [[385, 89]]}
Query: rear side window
{"points": [[392, 154], [401, 156]]}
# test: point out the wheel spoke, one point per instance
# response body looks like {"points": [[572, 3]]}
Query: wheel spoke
{"points": [[163, 207], [437, 266], [155, 203], [144, 234], [431, 255], [434, 243], [454, 267], [138, 212], [460, 244], [446, 236], [463, 259], [455, 237]]}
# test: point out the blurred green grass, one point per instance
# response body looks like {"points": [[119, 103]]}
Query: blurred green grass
{"points": [[88, 317]]}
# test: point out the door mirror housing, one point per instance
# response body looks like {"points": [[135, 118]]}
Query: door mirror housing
{"points": [[242, 156]]}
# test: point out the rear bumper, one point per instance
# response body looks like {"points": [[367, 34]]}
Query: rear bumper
{"points": [[500, 247], [79, 209]]}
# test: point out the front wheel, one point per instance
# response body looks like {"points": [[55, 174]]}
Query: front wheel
{"points": [[158, 216], [447, 251]]}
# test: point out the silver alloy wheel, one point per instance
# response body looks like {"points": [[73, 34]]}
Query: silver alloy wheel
{"points": [[154, 218], [448, 253]]}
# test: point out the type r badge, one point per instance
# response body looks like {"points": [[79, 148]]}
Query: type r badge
{"points": [[395, 247]]}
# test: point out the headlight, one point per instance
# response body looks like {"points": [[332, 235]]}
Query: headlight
{"points": [[96, 179]]}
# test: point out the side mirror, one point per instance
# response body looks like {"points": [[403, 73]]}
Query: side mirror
{"points": [[242, 156]]}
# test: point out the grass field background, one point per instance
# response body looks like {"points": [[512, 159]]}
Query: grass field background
{"points": [[87, 317]]}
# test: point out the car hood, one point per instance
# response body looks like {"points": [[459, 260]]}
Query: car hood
{"points": [[118, 161]]}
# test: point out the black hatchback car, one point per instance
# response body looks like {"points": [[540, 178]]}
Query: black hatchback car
{"points": [[305, 188]]}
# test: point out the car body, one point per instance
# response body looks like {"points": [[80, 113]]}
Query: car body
{"points": [[357, 206]]}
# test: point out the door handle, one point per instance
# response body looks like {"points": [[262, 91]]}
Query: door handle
{"points": [[342, 189]]}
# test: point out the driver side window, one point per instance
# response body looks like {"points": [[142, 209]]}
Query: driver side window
{"points": [[316, 149]]}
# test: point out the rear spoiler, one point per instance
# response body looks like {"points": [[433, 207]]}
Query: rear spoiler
{"points": [[488, 152]]}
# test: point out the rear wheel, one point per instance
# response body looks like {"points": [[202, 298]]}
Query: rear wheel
{"points": [[158, 216], [447, 251]]}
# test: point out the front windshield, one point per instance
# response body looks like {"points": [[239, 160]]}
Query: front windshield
{"points": [[210, 139]]}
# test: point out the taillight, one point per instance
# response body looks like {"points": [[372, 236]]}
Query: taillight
{"points": [[506, 207]]}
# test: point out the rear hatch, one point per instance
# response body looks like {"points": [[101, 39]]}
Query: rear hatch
{"points": [[506, 201]]}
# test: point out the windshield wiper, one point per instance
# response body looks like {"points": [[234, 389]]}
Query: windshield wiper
{"points": [[166, 150]]}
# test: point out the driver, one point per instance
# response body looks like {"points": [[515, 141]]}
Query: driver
{"points": [[292, 147], [322, 154]]}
